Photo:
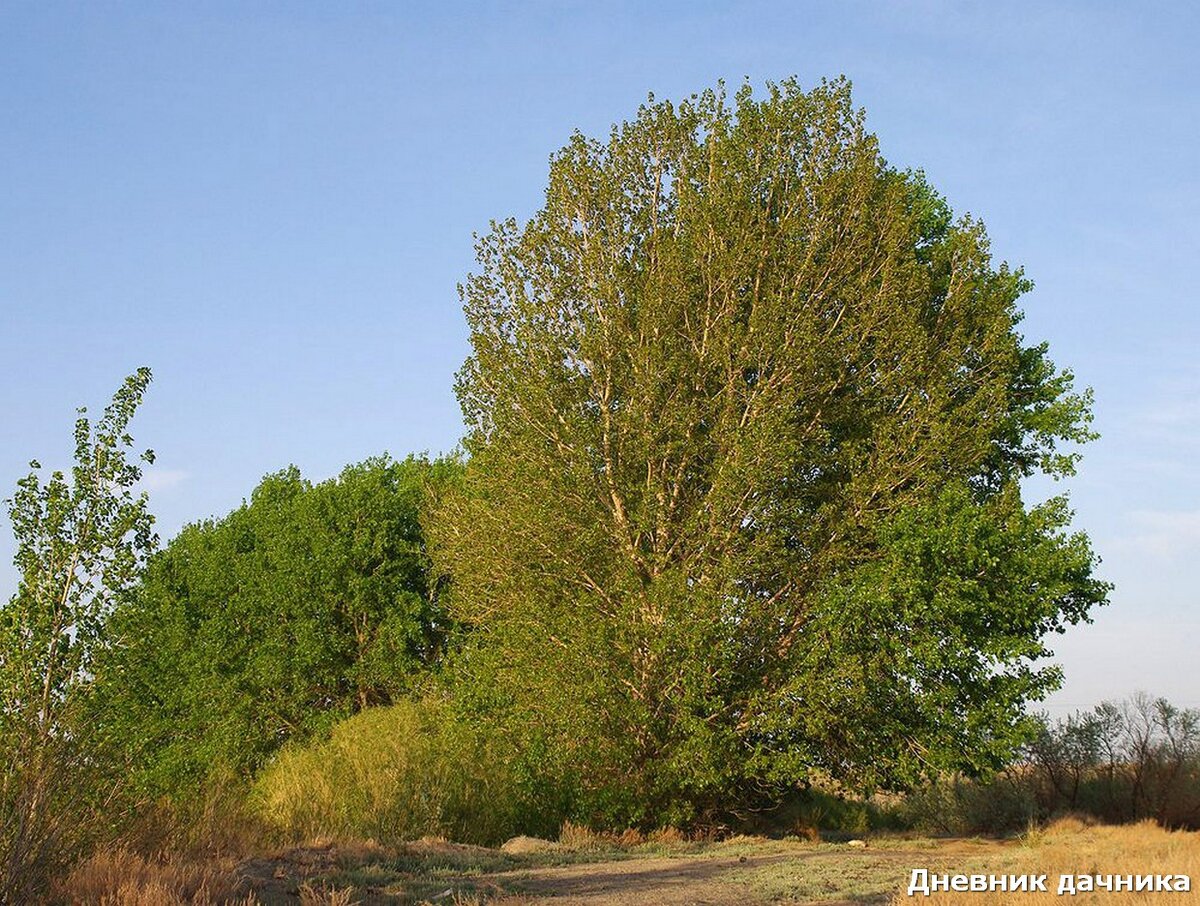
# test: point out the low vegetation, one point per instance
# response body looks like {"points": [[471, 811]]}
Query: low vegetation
{"points": [[1119, 763], [119, 877], [392, 774], [1071, 846], [586, 869]]}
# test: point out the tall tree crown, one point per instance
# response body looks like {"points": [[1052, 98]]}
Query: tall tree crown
{"points": [[707, 377]]}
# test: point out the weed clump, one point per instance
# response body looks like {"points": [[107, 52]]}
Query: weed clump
{"points": [[393, 773]]}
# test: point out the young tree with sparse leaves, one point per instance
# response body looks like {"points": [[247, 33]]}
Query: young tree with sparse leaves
{"points": [[748, 413], [82, 539]]}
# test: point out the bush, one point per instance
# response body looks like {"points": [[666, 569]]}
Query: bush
{"points": [[960, 806], [216, 822], [821, 809], [394, 773], [306, 604]]}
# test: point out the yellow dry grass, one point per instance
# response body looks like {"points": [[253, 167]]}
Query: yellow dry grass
{"points": [[1074, 847], [325, 896], [579, 838], [121, 878]]}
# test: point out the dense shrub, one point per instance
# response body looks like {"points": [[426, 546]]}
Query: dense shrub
{"points": [[815, 812], [307, 603], [957, 806], [397, 773]]}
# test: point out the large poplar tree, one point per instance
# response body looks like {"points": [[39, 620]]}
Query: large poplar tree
{"points": [[748, 413]]}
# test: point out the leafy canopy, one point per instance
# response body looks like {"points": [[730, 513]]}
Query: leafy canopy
{"points": [[747, 415], [307, 603]]}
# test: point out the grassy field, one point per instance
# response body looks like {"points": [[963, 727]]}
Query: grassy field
{"points": [[1072, 847], [582, 869]]}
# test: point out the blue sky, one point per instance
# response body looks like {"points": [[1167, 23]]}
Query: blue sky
{"points": [[271, 204]]}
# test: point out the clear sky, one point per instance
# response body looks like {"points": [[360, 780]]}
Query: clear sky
{"points": [[270, 204]]}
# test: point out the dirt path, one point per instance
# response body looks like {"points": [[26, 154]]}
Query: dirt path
{"points": [[708, 879], [696, 880], [438, 873]]}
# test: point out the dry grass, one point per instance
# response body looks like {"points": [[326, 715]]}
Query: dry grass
{"points": [[1071, 846], [391, 773], [123, 878], [323, 896], [577, 838], [342, 874]]}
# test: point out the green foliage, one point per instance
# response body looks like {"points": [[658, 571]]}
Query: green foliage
{"points": [[920, 660], [961, 806], [81, 540], [813, 812], [305, 604], [747, 415], [391, 774]]}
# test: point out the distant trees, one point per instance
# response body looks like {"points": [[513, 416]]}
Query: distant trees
{"points": [[307, 603], [1121, 762], [747, 415], [82, 537], [1117, 763]]}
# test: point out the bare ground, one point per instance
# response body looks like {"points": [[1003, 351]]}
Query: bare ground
{"points": [[736, 874], [695, 880]]}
